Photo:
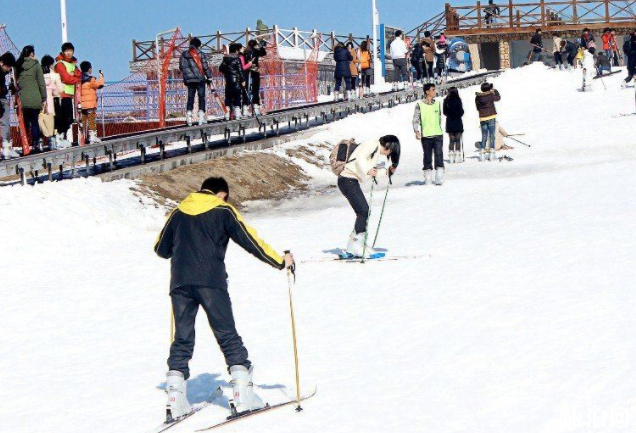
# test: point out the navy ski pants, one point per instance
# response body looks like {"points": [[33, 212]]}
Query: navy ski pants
{"points": [[351, 189], [218, 307], [433, 145]]}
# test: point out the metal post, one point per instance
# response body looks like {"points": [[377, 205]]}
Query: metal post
{"points": [[64, 28], [377, 67]]}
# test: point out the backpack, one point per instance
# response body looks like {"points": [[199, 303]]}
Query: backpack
{"points": [[340, 155]]}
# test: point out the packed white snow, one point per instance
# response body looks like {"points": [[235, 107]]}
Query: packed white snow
{"points": [[519, 317]]}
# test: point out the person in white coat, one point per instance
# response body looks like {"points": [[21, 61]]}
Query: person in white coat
{"points": [[589, 66], [364, 164], [399, 53]]}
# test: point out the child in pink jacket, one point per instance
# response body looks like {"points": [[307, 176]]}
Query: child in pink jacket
{"points": [[54, 87]]}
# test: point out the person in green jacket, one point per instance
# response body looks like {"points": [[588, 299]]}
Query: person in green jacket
{"points": [[427, 125], [32, 92]]}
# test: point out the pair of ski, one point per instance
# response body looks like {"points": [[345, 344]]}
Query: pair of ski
{"points": [[232, 418], [345, 257]]}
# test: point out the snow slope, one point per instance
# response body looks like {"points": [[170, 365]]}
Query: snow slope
{"points": [[518, 319]]}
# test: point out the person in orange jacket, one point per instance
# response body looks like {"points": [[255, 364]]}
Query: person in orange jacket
{"points": [[90, 86], [71, 76]]}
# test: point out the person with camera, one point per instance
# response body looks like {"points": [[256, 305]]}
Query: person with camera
{"points": [[255, 50]]}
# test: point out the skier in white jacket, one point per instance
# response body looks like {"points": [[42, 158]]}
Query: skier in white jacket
{"points": [[364, 164], [589, 67]]}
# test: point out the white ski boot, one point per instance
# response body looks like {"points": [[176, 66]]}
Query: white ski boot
{"points": [[439, 177], [226, 115], [244, 399], [482, 155], [201, 118], [352, 241], [93, 138], [428, 177], [451, 157], [53, 142], [61, 142], [245, 111], [459, 158], [237, 113], [356, 247], [257, 110], [176, 388], [493, 155], [7, 150], [189, 118]]}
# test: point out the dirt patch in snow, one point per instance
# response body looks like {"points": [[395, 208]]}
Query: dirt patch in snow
{"points": [[252, 176]]}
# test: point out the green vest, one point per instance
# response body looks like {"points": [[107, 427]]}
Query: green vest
{"points": [[69, 89], [431, 119]]}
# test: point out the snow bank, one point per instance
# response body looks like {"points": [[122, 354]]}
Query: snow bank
{"points": [[518, 318]]}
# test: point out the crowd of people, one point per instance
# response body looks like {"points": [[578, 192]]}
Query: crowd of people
{"points": [[52, 94], [584, 53], [241, 70]]}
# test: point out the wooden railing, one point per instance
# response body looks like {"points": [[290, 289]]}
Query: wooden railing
{"points": [[510, 15], [294, 38]]}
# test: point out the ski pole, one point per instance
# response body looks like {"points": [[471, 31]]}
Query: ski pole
{"points": [[366, 232], [386, 194], [518, 141], [291, 281], [249, 98]]}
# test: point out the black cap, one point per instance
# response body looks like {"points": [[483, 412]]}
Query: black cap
{"points": [[195, 42], [86, 66]]}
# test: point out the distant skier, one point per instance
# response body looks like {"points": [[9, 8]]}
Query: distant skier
{"points": [[32, 91], [196, 74], [417, 60], [492, 10], [232, 69], [366, 68], [255, 51], [589, 66], [603, 64], [485, 102], [629, 48], [399, 52], [454, 111], [359, 165], [195, 239], [441, 55], [557, 51], [353, 68], [7, 62], [570, 51], [587, 39], [537, 46], [427, 125]]}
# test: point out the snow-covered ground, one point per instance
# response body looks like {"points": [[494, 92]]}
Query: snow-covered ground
{"points": [[519, 317]]}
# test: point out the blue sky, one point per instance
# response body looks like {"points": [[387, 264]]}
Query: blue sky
{"points": [[102, 31]]}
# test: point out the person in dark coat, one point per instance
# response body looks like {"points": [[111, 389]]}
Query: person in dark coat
{"points": [[537, 46], [195, 240], [417, 60], [32, 91], [630, 52], [232, 69], [196, 74], [255, 50], [485, 103], [7, 62], [453, 109], [570, 50], [343, 59]]}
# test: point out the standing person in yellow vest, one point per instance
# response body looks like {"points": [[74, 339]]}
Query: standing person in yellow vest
{"points": [[427, 124], [71, 76]]}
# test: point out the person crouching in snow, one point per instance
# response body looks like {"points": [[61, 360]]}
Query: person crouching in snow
{"points": [[90, 86], [195, 239], [589, 66], [427, 125], [485, 102], [603, 64], [364, 164]]}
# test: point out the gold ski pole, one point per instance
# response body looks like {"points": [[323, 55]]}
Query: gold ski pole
{"points": [[291, 280]]}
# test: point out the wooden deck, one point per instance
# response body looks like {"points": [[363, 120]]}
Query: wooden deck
{"points": [[509, 17]]}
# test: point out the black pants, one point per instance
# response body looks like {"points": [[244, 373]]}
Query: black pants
{"points": [[417, 64], [571, 58], [64, 114], [233, 94], [558, 59], [254, 87], [400, 70], [31, 123], [350, 188], [631, 70], [354, 82], [455, 141], [428, 70], [218, 307], [339, 78], [432, 145], [196, 89], [365, 78]]}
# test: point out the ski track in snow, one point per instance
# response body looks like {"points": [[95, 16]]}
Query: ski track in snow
{"points": [[520, 318]]}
